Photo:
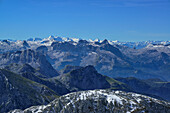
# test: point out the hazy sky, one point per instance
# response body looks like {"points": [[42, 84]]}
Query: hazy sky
{"points": [[124, 20]]}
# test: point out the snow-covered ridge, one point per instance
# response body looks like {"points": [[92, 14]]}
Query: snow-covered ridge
{"points": [[137, 45], [49, 40], [33, 43], [99, 100], [112, 96]]}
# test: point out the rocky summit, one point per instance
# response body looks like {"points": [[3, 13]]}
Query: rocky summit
{"points": [[84, 78], [101, 101]]}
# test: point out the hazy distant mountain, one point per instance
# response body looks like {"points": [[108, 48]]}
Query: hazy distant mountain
{"points": [[49, 40], [35, 59], [111, 58], [34, 39]]}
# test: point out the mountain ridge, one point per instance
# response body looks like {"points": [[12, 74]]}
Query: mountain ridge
{"points": [[101, 101], [109, 59]]}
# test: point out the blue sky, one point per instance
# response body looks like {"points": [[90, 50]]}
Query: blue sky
{"points": [[124, 20]]}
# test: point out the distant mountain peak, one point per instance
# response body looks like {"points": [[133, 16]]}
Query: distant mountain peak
{"points": [[34, 39], [105, 41], [90, 68], [6, 41], [97, 40], [51, 37], [25, 44], [84, 78]]}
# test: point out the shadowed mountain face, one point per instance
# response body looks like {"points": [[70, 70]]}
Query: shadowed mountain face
{"points": [[34, 88], [19, 92], [25, 70], [151, 86], [84, 78], [69, 68]]}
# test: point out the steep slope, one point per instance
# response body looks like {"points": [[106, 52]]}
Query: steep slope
{"points": [[69, 68], [114, 84], [117, 85], [155, 61], [73, 78], [29, 72], [19, 93], [86, 78], [152, 86], [101, 101], [7, 46], [35, 59], [83, 79], [23, 68], [111, 60]]}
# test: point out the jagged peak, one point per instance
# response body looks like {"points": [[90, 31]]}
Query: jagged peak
{"points": [[25, 43], [105, 41], [69, 68], [90, 68], [83, 41], [51, 37], [86, 69], [97, 40]]}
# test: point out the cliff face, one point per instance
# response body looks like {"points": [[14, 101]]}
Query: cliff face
{"points": [[84, 78], [35, 59], [19, 92]]}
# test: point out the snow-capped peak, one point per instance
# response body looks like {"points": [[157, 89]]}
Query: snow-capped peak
{"points": [[96, 40], [51, 37]]}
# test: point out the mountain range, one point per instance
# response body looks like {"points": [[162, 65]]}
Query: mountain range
{"points": [[110, 59], [36, 71]]}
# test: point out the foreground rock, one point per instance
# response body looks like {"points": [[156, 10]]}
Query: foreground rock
{"points": [[17, 92], [101, 101]]}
